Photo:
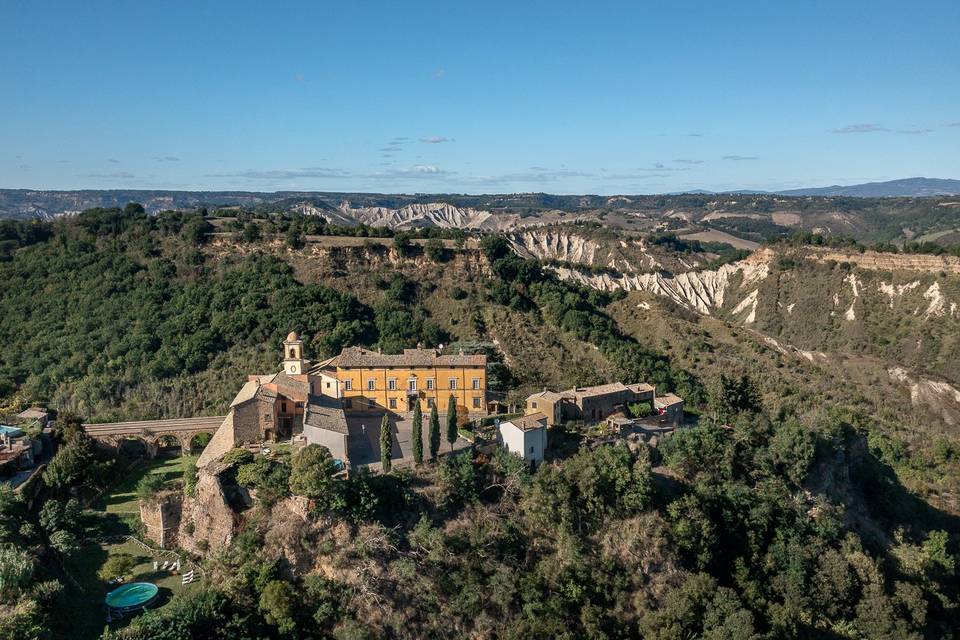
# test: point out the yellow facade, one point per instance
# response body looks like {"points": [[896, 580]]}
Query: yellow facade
{"points": [[399, 388]]}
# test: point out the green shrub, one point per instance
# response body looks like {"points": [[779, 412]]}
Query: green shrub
{"points": [[149, 486]]}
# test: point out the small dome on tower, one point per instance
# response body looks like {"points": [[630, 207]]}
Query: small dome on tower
{"points": [[292, 336]]}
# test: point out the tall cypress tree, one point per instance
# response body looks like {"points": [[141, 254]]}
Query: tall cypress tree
{"points": [[434, 432], [452, 421], [417, 434], [386, 444]]}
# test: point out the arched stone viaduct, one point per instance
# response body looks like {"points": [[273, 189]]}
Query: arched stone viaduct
{"points": [[153, 432]]}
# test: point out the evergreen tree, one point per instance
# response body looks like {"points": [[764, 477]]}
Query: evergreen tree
{"points": [[417, 434], [452, 421], [295, 238], [386, 444], [434, 432]]}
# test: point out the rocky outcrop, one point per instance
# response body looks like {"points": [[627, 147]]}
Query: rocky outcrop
{"points": [[433, 214], [290, 527], [442, 215], [875, 261], [207, 521], [559, 243], [701, 291], [554, 245], [942, 398]]}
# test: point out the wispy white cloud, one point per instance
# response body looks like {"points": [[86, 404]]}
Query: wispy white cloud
{"points": [[278, 175], [688, 161], [623, 177], [739, 158], [113, 161], [439, 73], [284, 174], [915, 131], [416, 171], [166, 159], [536, 175], [25, 167], [118, 175], [435, 139], [660, 167], [865, 127]]}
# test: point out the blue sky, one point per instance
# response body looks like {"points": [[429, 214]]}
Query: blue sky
{"points": [[478, 97]]}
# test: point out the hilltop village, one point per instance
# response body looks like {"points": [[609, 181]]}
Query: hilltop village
{"points": [[339, 403]]}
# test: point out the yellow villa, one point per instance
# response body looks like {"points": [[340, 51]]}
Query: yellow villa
{"points": [[369, 381]]}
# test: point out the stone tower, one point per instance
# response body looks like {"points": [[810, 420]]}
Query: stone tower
{"points": [[293, 362]]}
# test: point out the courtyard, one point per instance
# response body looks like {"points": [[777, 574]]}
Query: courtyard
{"points": [[365, 438]]}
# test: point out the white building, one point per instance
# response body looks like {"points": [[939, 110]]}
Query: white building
{"points": [[526, 436], [325, 379]]}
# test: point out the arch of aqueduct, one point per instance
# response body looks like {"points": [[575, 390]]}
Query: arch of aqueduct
{"points": [[153, 432]]}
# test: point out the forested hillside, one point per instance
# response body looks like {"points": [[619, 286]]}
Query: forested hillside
{"points": [[805, 502]]}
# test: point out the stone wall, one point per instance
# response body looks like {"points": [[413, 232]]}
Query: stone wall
{"points": [[161, 518], [249, 423], [221, 442]]}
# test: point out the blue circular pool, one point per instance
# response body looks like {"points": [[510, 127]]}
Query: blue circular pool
{"points": [[132, 596]]}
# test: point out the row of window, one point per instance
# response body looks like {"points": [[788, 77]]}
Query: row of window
{"points": [[411, 384], [392, 403]]}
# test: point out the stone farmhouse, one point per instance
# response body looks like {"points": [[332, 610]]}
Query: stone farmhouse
{"points": [[595, 404], [314, 404]]}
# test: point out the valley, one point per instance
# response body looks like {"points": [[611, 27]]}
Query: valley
{"points": [[835, 368]]}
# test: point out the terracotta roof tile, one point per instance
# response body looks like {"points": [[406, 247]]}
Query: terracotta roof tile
{"points": [[324, 412], [533, 421], [360, 357]]}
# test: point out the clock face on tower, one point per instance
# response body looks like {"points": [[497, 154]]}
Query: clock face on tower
{"points": [[293, 368]]}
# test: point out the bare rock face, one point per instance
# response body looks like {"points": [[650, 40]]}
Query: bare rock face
{"points": [[207, 522], [874, 261], [445, 216], [554, 245], [557, 243], [433, 214], [942, 398], [700, 291], [290, 530]]}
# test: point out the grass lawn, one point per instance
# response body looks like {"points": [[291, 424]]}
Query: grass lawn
{"points": [[117, 511], [88, 617]]}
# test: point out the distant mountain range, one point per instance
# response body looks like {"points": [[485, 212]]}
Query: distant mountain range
{"points": [[905, 187], [902, 188], [378, 209]]}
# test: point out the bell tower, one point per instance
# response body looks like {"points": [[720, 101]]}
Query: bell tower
{"points": [[293, 362]]}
